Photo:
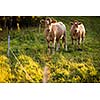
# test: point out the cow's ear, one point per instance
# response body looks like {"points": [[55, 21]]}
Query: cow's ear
{"points": [[49, 19], [71, 23], [54, 21], [79, 23], [42, 21]]}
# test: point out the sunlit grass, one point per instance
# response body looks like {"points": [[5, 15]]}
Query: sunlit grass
{"points": [[31, 49]]}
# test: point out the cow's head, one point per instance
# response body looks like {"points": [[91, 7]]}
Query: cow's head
{"points": [[75, 25], [47, 22]]}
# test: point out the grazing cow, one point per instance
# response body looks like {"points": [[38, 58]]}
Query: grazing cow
{"points": [[77, 32], [54, 31]]}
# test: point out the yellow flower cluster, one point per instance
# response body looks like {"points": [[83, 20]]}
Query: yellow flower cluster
{"points": [[5, 71], [65, 70], [61, 70], [32, 68]]}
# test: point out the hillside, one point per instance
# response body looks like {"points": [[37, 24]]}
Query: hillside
{"points": [[30, 47]]}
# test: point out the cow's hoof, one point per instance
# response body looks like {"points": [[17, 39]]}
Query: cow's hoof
{"points": [[66, 49], [58, 49], [53, 52], [79, 49]]}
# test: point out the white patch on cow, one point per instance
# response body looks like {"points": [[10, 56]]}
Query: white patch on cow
{"points": [[78, 29], [50, 27], [76, 23], [48, 37], [47, 22], [54, 40], [81, 28], [62, 26], [58, 46], [66, 48], [61, 36]]}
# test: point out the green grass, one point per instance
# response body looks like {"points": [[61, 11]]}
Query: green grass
{"points": [[33, 44]]}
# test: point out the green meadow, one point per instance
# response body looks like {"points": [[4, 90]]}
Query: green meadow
{"points": [[28, 55]]}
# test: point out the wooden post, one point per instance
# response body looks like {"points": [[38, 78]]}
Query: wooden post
{"points": [[9, 29], [18, 28], [8, 53], [39, 28], [46, 74]]}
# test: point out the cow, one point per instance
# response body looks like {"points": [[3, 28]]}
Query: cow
{"points": [[77, 32], [54, 31]]}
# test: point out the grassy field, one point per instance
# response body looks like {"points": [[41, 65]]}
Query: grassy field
{"points": [[30, 47]]}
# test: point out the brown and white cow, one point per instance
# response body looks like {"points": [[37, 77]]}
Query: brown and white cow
{"points": [[54, 31], [77, 32]]}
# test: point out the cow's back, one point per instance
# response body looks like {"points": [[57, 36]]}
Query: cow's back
{"points": [[62, 26], [59, 27], [82, 29]]}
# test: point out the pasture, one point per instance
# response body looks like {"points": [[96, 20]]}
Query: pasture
{"points": [[30, 47]]}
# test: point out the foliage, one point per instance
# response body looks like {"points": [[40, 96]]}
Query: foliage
{"points": [[30, 47], [31, 67], [64, 70], [5, 70], [21, 21]]}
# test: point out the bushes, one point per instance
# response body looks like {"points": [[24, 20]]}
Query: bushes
{"points": [[5, 71], [66, 71], [18, 74], [62, 70], [31, 67]]}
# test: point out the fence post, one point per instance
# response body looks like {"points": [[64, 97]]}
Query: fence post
{"points": [[46, 74], [8, 53], [39, 28]]}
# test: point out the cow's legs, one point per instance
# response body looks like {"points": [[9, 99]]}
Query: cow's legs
{"points": [[58, 46], [65, 46], [82, 41], [53, 45], [72, 41], [79, 42], [49, 47], [64, 42]]}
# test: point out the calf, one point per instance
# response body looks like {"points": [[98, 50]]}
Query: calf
{"points": [[54, 31], [77, 32]]}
